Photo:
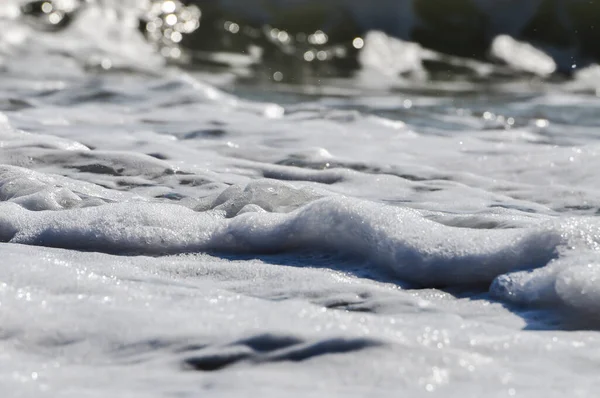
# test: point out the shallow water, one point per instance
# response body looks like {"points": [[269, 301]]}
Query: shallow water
{"points": [[175, 230]]}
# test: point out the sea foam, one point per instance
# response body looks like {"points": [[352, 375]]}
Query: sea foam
{"points": [[268, 216]]}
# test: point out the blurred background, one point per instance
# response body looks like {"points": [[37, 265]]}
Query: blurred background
{"points": [[393, 42]]}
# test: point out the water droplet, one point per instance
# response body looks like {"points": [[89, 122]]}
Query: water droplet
{"points": [[54, 18], [106, 64], [176, 37], [47, 8], [171, 19], [358, 43], [168, 7]]}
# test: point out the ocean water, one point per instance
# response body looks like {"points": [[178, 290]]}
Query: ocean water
{"points": [[298, 198]]}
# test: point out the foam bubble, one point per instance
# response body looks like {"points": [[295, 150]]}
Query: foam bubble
{"points": [[395, 240]]}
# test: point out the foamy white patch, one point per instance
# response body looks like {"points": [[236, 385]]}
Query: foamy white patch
{"points": [[569, 283], [198, 324], [321, 216], [12, 138], [394, 240], [390, 56], [522, 56]]}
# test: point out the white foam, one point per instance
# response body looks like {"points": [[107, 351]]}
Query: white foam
{"points": [[100, 318], [390, 56], [522, 56], [320, 215], [569, 282], [397, 240]]}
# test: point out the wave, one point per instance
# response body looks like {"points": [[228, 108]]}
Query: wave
{"points": [[538, 261], [548, 263], [533, 261], [539, 37]]}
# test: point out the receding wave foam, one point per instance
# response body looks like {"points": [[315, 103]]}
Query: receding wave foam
{"points": [[395, 241], [164, 236], [398, 240]]}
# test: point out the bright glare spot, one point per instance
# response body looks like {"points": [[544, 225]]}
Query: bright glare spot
{"points": [[541, 123], [231, 27], [191, 26], [358, 43], [171, 19], [47, 8], [176, 37], [54, 18], [283, 36], [168, 7], [319, 37], [106, 64], [274, 111], [278, 76]]}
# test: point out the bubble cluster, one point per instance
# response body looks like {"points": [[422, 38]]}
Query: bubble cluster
{"points": [[310, 47], [51, 14], [175, 29], [166, 22], [190, 34]]}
